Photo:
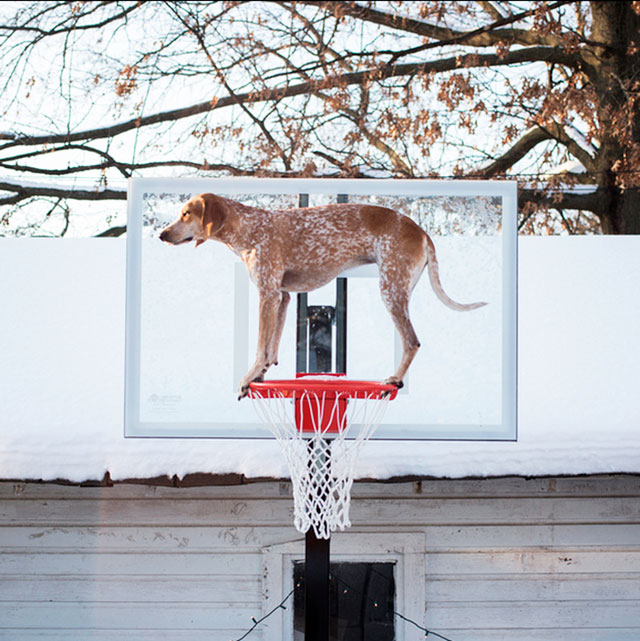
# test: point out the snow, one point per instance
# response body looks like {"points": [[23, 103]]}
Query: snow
{"points": [[579, 137], [571, 166], [62, 379], [84, 184]]}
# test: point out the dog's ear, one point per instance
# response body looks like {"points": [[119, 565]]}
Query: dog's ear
{"points": [[213, 215]]}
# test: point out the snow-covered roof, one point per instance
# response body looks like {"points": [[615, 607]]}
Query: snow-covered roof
{"points": [[61, 381]]}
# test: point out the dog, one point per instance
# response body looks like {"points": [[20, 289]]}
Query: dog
{"points": [[301, 249]]}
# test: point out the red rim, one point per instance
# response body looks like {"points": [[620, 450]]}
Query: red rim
{"points": [[329, 387]]}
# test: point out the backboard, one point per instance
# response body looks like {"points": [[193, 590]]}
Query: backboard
{"points": [[192, 314]]}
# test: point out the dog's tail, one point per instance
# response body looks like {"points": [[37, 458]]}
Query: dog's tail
{"points": [[434, 278]]}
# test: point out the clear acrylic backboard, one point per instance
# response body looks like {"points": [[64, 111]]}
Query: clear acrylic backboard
{"points": [[192, 313]]}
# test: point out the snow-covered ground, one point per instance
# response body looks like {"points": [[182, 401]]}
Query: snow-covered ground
{"points": [[62, 377]]}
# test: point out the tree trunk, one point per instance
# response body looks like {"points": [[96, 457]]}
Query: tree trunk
{"points": [[622, 215], [615, 57]]}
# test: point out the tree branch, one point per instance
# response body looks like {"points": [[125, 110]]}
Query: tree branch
{"points": [[23, 191], [594, 201], [74, 25], [485, 36], [519, 56], [112, 232], [491, 9], [529, 141], [557, 132], [109, 161], [516, 152], [130, 167]]}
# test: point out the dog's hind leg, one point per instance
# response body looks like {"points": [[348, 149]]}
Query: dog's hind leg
{"points": [[396, 284], [410, 344]]}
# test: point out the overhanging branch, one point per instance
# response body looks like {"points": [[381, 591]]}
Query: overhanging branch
{"points": [[519, 56], [485, 36], [24, 191], [516, 152], [557, 132], [529, 141], [74, 22], [593, 201]]}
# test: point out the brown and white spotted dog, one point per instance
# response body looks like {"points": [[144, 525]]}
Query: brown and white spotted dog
{"points": [[301, 249]]}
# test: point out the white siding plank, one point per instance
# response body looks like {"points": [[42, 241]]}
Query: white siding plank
{"points": [[578, 633], [238, 590], [543, 587], [517, 487], [238, 513], [130, 564], [133, 616], [94, 634], [523, 536], [25, 490], [558, 562], [134, 539], [540, 615], [480, 511]]}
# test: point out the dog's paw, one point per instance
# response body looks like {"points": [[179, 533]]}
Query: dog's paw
{"points": [[394, 380], [244, 386], [243, 390]]}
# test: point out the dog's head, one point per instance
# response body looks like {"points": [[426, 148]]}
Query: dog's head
{"points": [[199, 219]]}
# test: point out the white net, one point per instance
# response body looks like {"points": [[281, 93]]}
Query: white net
{"points": [[321, 457]]}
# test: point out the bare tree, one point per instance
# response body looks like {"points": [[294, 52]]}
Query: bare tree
{"points": [[543, 92]]}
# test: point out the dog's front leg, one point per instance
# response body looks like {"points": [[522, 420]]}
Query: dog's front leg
{"points": [[272, 355], [268, 326]]}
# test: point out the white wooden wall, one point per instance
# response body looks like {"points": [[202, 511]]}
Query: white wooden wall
{"points": [[504, 559]]}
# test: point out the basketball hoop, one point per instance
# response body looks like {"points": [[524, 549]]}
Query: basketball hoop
{"points": [[321, 423]]}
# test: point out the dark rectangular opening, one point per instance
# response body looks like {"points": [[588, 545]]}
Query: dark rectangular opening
{"points": [[361, 602]]}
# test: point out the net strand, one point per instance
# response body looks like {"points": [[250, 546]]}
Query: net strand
{"points": [[321, 462]]}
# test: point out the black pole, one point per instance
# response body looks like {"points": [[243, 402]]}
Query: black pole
{"points": [[341, 315], [316, 596], [302, 328], [302, 350], [341, 325], [320, 318]]}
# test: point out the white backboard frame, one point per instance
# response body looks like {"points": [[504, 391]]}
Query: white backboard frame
{"points": [[137, 425]]}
